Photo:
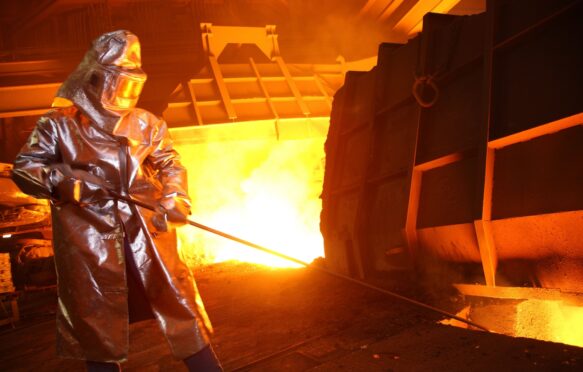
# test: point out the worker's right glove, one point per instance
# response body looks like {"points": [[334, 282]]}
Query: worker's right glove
{"points": [[171, 210], [76, 185]]}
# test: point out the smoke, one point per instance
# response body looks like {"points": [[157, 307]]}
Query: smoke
{"points": [[324, 31]]}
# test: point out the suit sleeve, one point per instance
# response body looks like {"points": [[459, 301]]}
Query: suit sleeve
{"points": [[32, 166], [166, 162]]}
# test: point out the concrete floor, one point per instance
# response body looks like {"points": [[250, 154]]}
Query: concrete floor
{"points": [[297, 320]]}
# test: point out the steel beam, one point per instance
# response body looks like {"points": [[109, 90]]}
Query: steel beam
{"points": [[26, 100]]}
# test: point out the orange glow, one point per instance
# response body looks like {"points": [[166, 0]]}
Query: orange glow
{"points": [[546, 320], [262, 190], [550, 321], [463, 313]]}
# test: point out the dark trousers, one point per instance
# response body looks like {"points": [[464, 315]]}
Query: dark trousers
{"points": [[139, 309], [203, 361], [138, 304]]}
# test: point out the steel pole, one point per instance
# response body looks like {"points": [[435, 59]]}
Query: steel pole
{"points": [[142, 204]]}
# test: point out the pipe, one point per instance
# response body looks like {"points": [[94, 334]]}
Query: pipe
{"points": [[142, 204]]}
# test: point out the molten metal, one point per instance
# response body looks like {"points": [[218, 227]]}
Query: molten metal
{"points": [[550, 321]]}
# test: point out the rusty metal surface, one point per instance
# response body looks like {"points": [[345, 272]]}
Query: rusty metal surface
{"points": [[539, 176], [555, 92], [539, 236], [451, 242], [448, 193], [484, 153], [528, 237], [520, 293]]}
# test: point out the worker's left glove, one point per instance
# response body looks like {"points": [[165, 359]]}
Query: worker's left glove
{"points": [[171, 210], [76, 185]]}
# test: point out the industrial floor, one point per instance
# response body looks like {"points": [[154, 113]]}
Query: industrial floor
{"points": [[299, 320]]}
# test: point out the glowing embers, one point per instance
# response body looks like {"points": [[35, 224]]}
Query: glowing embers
{"points": [[546, 320], [550, 321], [264, 191]]}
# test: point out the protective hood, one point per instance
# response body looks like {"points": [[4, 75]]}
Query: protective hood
{"points": [[107, 83]]}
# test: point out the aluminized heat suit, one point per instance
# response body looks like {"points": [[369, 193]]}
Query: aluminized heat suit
{"points": [[96, 139]]}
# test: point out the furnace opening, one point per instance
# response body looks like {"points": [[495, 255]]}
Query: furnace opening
{"points": [[265, 190]]}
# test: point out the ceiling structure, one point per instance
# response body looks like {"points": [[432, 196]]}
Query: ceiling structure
{"points": [[41, 42], [309, 31]]}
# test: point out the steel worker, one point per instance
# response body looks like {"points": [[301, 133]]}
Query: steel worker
{"points": [[116, 262]]}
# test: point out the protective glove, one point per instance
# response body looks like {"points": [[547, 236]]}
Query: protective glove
{"points": [[171, 210], [76, 185]]}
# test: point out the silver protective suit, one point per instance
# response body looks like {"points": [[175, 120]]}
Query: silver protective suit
{"points": [[129, 149]]}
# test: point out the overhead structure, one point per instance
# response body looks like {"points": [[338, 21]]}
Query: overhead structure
{"points": [[269, 89], [226, 92], [404, 18]]}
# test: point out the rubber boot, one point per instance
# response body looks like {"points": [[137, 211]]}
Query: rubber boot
{"points": [[102, 367], [204, 361]]}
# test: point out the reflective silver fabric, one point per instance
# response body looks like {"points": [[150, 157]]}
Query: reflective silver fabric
{"points": [[133, 153], [111, 64]]}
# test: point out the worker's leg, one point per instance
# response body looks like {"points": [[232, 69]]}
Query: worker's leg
{"points": [[204, 361], [138, 305]]}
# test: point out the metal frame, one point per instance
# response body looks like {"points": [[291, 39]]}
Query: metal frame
{"points": [[216, 38], [487, 151]]}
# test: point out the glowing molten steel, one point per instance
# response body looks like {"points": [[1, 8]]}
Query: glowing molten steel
{"points": [[263, 191], [547, 320], [550, 321]]}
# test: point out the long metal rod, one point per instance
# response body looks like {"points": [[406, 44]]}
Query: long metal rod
{"points": [[142, 204]]}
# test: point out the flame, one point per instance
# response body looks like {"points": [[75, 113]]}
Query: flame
{"points": [[550, 321], [263, 191]]}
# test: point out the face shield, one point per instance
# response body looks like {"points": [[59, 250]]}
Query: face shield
{"points": [[122, 88]]}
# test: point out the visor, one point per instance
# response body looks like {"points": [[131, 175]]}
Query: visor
{"points": [[123, 90]]}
